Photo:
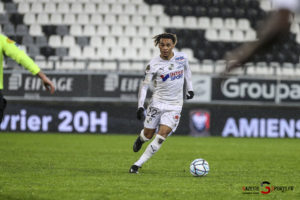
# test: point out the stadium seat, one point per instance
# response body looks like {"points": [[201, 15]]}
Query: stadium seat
{"points": [[191, 22], [47, 51], [116, 53], [102, 30], [41, 41], [82, 41], [123, 42], [243, 24], [76, 7], [27, 40], [66, 64], [89, 8], [82, 19], [69, 19], [123, 19], [143, 31], [23, 7], [110, 19], [68, 41], [29, 18], [177, 21], [225, 35], [164, 21], [150, 20], [96, 19], [61, 52], [9, 29], [37, 7], [130, 53], [204, 23], [117, 30], [40, 61], [110, 41], [43, 18], [4, 19], [126, 27], [62, 30], [109, 65], [130, 31], [95, 65], [116, 9], [125, 66], [10, 8], [102, 53], [137, 42], [50, 7], [137, 20], [156, 30], [217, 23], [88, 52], [156, 10], [63, 7], [137, 66], [195, 67], [220, 66], [96, 41], [33, 50], [238, 36], [89, 30], [21, 30], [144, 54], [76, 30], [130, 9], [287, 69], [55, 18], [75, 52], [55, 41]]}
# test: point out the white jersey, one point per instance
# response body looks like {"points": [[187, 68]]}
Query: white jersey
{"points": [[168, 79], [292, 5]]}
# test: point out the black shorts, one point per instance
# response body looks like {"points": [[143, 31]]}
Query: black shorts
{"points": [[2, 106]]}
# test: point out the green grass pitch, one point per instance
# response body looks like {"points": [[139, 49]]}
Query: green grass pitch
{"points": [[92, 167]]}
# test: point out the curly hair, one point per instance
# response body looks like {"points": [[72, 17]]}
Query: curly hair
{"points": [[171, 36]]}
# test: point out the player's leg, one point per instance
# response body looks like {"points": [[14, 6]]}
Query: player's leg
{"points": [[150, 124], [168, 123], [152, 148], [145, 135]]}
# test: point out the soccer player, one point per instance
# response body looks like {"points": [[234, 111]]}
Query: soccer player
{"points": [[276, 25], [167, 72], [9, 48]]}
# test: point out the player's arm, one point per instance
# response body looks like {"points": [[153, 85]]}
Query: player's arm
{"points": [[277, 24], [143, 92], [188, 80], [11, 50]]}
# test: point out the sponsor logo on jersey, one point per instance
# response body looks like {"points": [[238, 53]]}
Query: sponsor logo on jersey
{"points": [[164, 78], [173, 75], [176, 75], [180, 58]]}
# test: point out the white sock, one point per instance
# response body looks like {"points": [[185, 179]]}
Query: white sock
{"points": [[151, 149], [143, 137]]}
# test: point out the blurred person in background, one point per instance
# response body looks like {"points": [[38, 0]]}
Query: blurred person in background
{"points": [[9, 48], [167, 72], [273, 28]]}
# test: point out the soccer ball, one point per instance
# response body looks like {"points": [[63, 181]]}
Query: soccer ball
{"points": [[199, 167]]}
